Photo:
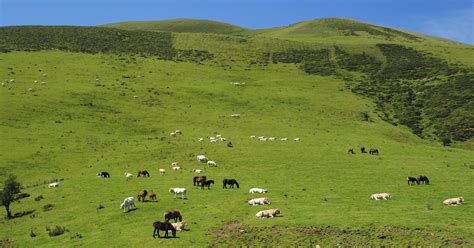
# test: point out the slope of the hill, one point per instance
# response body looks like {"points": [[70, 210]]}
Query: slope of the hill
{"points": [[180, 25], [70, 115]]}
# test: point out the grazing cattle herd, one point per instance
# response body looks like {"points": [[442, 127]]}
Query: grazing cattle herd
{"points": [[202, 181]]}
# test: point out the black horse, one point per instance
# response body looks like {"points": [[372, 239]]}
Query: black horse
{"points": [[143, 173], [198, 180], [231, 182], [412, 180], [207, 183], [163, 226], [374, 151], [423, 180], [362, 150], [103, 174], [351, 151]]}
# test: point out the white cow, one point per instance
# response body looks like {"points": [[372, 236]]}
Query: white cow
{"points": [[380, 196], [202, 158], [263, 139], [284, 139], [174, 164], [198, 170], [211, 163], [200, 139], [178, 191], [297, 139], [271, 139], [128, 203], [259, 201], [222, 139], [128, 174], [235, 115], [162, 172], [213, 140], [178, 131], [258, 190], [252, 136], [53, 185], [173, 134], [176, 168], [454, 201]]}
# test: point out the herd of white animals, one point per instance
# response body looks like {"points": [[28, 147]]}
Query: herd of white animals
{"points": [[129, 202]]}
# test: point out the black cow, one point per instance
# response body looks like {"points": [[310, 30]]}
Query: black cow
{"points": [[103, 174]]}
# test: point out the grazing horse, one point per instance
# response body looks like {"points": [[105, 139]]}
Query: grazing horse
{"points": [[103, 174], [374, 151], [152, 195], [231, 182], [423, 180], [230, 144], [198, 180], [163, 226], [362, 150], [412, 180], [207, 183], [143, 173], [141, 195], [172, 214], [351, 151]]}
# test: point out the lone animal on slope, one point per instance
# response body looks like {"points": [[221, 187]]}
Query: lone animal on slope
{"points": [[179, 226], [269, 213], [374, 151], [379, 196], [173, 214], [201, 158], [412, 180], [258, 190], [53, 185], [423, 179], [230, 182], [163, 226], [103, 174], [454, 201], [143, 173], [211, 163], [152, 195], [207, 183], [259, 201], [128, 203], [141, 195], [198, 180], [128, 175], [178, 191]]}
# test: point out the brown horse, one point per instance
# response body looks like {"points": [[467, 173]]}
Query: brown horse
{"points": [[423, 180], [152, 195], [172, 214], [141, 195], [163, 226], [143, 173], [198, 180]]}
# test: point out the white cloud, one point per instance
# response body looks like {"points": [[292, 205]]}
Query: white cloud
{"points": [[458, 26]]}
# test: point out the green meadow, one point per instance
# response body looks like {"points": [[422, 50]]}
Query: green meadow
{"points": [[69, 115]]}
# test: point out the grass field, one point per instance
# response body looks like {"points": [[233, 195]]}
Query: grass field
{"points": [[72, 127]]}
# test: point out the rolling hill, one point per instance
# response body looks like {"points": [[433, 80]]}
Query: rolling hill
{"points": [[80, 100]]}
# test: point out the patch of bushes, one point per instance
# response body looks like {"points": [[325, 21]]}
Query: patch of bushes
{"points": [[39, 198], [56, 231]]}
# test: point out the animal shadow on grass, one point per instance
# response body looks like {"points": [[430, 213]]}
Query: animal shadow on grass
{"points": [[21, 214], [131, 210]]}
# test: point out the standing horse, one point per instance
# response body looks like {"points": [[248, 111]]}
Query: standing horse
{"points": [[374, 151], [141, 195], [423, 180], [231, 182], [412, 180], [362, 150], [351, 150], [163, 226], [152, 195], [143, 173], [172, 214], [207, 183], [198, 180]]}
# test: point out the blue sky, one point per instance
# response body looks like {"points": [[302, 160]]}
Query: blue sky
{"points": [[452, 19]]}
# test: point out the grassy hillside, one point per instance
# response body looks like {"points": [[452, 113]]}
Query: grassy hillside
{"points": [[71, 113], [180, 25]]}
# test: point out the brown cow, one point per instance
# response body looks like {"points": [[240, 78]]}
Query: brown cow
{"points": [[141, 195]]}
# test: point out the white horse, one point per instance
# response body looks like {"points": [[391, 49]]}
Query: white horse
{"points": [[128, 203], [178, 191]]}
